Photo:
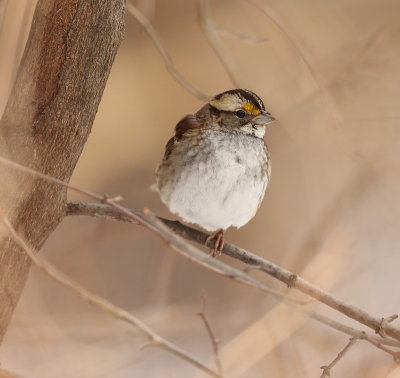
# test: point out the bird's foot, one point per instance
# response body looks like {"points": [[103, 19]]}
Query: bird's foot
{"points": [[218, 236]]}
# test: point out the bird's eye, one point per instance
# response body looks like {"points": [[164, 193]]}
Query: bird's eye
{"points": [[240, 113]]}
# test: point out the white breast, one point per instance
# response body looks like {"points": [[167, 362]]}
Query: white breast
{"points": [[218, 182]]}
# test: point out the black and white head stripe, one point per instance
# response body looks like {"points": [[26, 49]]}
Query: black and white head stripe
{"points": [[230, 100]]}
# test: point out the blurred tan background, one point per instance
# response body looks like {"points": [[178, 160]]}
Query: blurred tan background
{"points": [[330, 73]]}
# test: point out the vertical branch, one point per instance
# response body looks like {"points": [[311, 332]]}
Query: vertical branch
{"points": [[318, 79], [151, 32], [326, 370], [210, 332], [48, 117], [210, 31]]}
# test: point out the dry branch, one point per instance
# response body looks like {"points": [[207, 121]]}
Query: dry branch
{"points": [[151, 32], [155, 225], [377, 344], [249, 258], [186, 249], [106, 306], [311, 67], [48, 117], [211, 33], [326, 370], [210, 332]]}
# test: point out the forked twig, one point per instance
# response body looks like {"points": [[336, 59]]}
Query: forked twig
{"points": [[240, 36], [377, 344], [374, 342], [300, 51], [210, 30], [151, 32], [155, 339], [214, 340], [326, 370]]}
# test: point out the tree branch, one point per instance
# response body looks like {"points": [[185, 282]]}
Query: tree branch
{"points": [[249, 258], [155, 339], [210, 32], [48, 117], [210, 332], [326, 370], [301, 52], [151, 32], [193, 254], [188, 251]]}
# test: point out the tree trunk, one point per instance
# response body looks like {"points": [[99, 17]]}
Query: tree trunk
{"points": [[47, 120]]}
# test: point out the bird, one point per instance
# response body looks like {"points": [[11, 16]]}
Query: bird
{"points": [[216, 167]]}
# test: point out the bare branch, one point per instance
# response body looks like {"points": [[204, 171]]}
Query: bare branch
{"points": [[326, 370], [262, 264], [210, 30], [378, 344], [240, 36], [384, 322], [105, 211], [104, 305], [214, 340], [193, 254], [350, 330], [151, 32], [303, 56], [174, 241], [373, 341]]}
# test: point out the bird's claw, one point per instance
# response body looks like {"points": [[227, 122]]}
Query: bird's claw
{"points": [[219, 242]]}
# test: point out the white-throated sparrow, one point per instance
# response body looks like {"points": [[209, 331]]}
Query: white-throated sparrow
{"points": [[216, 168]]}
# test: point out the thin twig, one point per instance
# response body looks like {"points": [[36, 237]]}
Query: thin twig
{"points": [[373, 341], [155, 340], [303, 56], [193, 254], [350, 330], [378, 344], [240, 36], [384, 322], [214, 340], [210, 32], [326, 370], [151, 32]]}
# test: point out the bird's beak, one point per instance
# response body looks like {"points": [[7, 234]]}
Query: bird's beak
{"points": [[263, 119]]}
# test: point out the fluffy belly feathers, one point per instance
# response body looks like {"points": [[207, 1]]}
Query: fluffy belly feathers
{"points": [[223, 187]]}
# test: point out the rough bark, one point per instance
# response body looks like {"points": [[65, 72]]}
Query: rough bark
{"points": [[47, 120]]}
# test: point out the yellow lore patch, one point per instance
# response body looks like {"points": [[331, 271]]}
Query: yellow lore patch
{"points": [[248, 107]]}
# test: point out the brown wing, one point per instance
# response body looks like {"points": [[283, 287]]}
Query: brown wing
{"points": [[188, 122]]}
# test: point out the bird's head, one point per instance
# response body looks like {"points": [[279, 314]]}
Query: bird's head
{"points": [[240, 110]]}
